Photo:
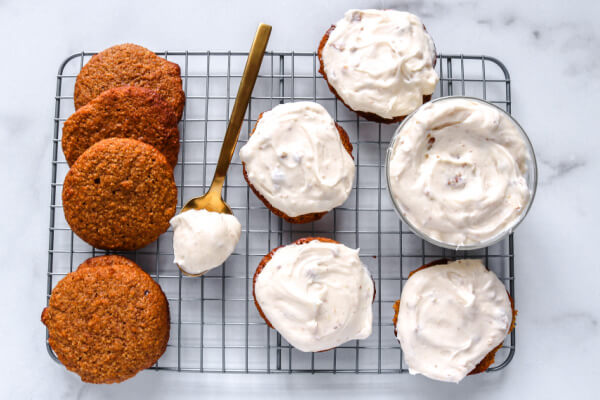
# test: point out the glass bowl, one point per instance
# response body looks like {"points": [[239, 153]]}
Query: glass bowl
{"points": [[530, 177]]}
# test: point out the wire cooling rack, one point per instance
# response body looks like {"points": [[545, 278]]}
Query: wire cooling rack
{"points": [[214, 324]]}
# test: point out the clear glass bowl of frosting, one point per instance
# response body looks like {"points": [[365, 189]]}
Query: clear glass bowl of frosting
{"points": [[461, 173]]}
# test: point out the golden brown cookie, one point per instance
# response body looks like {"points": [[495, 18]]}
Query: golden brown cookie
{"points": [[130, 65], [300, 219], [107, 320], [488, 360], [119, 195], [125, 112], [365, 115]]}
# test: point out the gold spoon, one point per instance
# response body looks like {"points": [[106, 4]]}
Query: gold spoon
{"points": [[212, 200]]}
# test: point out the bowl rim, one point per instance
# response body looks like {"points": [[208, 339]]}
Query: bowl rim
{"points": [[494, 239]]}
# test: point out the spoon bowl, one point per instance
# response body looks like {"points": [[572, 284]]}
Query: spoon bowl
{"points": [[210, 201]]}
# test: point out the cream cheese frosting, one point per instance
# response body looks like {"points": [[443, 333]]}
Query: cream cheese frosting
{"points": [[318, 295], [297, 161], [450, 317], [203, 240], [380, 61], [457, 171]]}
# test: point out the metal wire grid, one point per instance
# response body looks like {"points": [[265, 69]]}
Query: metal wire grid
{"points": [[214, 324]]}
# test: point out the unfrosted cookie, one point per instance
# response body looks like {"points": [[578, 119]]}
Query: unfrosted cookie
{"points": [[126, 112], [119, 194], [107, 320], [130, 65]]}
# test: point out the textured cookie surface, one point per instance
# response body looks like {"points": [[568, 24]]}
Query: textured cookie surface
{"points": [[125, 112], [130, 65], [107, 320], [119, 194]]}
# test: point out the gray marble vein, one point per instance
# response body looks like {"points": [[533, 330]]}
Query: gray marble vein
{"points": [[552, 170]]}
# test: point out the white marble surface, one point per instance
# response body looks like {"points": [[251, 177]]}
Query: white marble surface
{"points": [[551, 50]]}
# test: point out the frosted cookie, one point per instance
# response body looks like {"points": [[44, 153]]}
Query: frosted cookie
{"points": [[452, 318], [379, 63], [316, 292], [298, 161]]}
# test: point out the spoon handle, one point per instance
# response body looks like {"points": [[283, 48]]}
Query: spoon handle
{"points": [[242, 99]]}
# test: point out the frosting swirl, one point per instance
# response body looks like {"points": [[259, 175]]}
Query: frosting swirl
{"points": [[380, 61], [318, 295], [297, 161], [450, 317], [203, 240], [457, 171]]}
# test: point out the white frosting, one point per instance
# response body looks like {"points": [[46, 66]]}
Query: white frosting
{"points": [[380, 61], [296, 160], [202, 240], [317, 295], [451, 316], [457, 171]]}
